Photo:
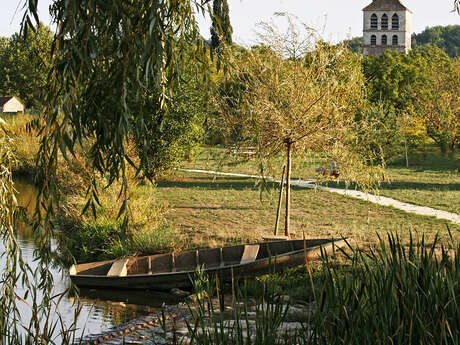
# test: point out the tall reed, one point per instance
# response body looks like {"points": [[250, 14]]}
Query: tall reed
{"points": [[389, 294]]}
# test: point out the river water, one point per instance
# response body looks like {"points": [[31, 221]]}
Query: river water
{"points": [[100, 309]]}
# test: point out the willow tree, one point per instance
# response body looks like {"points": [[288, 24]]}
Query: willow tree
{"points": [[298, 93], [221, 29], [116, 67], [8, 208]]}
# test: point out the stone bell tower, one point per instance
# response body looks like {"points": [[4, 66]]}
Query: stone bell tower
{"points": [[387, 25]]}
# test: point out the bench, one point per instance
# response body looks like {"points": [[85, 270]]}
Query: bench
{"points": [[247, 152]]}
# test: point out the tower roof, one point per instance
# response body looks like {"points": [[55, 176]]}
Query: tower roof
{"points": [[386, 5]]}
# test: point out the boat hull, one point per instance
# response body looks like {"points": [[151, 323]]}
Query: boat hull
{"points": [[183, 279]]}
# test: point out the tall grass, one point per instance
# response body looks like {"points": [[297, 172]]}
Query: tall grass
{"points": [[211, 324], [391, 294], [101, 239], [23, 130], [144, 242]]}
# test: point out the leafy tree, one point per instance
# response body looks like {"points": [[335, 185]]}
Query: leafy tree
{"points": [[215, 28], [115, 80], [392, 78], [438, 102], [355, 44], [181, 135], [226, 25], [221, 27], [25, 63], [419, 86], [297, 96], [379, 132], [445, 37]]}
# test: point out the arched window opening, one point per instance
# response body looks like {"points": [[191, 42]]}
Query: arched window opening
{"points": [[395, 40], [384, 22], [395, 22], [373, 40], [384, 40], [374, 21]]}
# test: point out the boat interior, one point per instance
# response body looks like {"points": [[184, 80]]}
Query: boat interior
{"points": [[190, 260]]}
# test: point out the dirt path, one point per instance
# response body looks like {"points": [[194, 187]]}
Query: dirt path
{"points": [[376, 199]]}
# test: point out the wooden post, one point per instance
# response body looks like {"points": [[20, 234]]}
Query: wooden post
{"points": [[278, 211], [288, 186]]}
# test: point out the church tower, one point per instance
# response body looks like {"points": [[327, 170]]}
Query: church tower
{"points": [[387, 25]]}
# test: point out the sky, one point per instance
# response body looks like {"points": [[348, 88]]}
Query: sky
{"points": [[335, 19]]}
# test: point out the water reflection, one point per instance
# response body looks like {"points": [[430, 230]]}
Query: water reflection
{"points": [[100, 309]]}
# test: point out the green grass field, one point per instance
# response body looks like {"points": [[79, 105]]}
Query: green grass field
{"points": [[209, 210], [431, 179]]}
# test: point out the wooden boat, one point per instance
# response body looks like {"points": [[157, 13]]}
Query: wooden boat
{"points": [[176, 270]]}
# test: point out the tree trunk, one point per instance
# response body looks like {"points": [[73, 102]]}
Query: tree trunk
{"points": [[405, 149], [278, 211], [288, 186]]}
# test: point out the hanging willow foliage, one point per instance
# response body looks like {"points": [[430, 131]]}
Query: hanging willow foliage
{"points": [[8, 206], [117, 64]]}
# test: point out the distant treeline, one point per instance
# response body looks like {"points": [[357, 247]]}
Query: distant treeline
{"points": [[445, 37]]}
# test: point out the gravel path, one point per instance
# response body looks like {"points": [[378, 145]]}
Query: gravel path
{"points": [[376, 199]]}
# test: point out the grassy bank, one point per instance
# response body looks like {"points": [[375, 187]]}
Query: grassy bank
{"points": [[90, 238], [24, 132]]}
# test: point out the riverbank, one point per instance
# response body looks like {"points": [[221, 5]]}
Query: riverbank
{"points": [[89, 238], [192, 210]]}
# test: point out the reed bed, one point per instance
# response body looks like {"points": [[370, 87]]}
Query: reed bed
{"points": [[391, 294]]}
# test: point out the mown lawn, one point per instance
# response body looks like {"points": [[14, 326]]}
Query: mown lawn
{"points": [[431, 179], [211, 211]]}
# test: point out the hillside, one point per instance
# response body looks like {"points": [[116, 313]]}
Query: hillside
{"points": [[445, 37]]}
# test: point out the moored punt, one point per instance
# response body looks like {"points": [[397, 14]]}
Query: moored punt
{"points": [[175, 270]]}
